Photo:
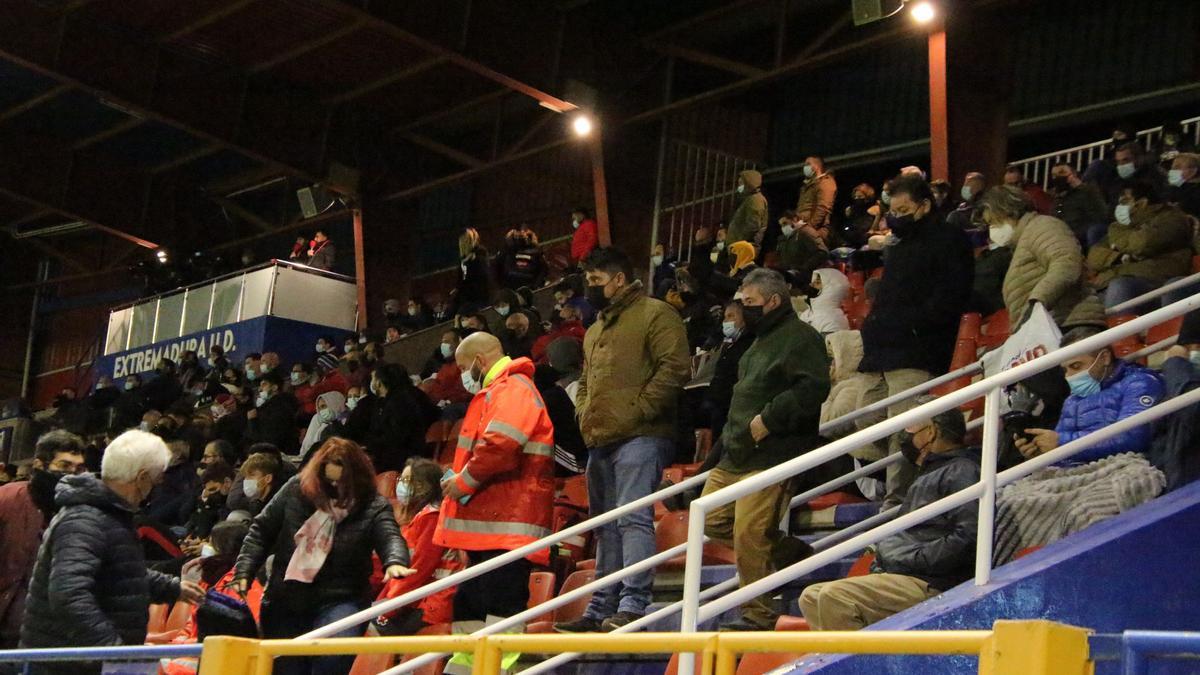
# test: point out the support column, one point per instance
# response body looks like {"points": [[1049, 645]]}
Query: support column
{"points": [[939, 133], [600, 186], [360, 268], [978, 84]]}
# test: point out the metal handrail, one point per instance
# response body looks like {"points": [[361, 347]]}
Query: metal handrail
{"points": [[984, 490], [1182, 282], [1139, 645], [77, 654]]}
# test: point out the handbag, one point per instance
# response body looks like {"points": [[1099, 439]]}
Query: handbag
{"points": [[222, 614]]}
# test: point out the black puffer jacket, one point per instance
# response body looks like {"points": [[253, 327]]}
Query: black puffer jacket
{"points": [[346, 572], [940, 551], [90, 585]]}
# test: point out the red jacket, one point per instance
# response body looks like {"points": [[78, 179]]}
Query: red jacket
{"points": [[571, 329], [431, 562], [21, 525], [505, 462], [446, 385], [586, 238]]}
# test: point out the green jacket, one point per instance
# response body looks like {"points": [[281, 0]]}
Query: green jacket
{"points": [[800, 252], [1156, 246], [784, 376], [749, 220], [635, 363]]}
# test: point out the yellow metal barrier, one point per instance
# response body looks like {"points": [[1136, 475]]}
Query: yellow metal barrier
{"points": [[1010, 648]]}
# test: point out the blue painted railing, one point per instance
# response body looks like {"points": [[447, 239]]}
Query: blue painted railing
{"points": [[103, 654]]}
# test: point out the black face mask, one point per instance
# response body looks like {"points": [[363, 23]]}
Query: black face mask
{"points": [[1060, 184], [902, 226], [752, 316], [42, 484], [595, 297], [331, 491], [910, 451], [687, 296]]}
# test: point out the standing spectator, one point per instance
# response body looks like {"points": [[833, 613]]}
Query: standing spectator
{"points": [[1184, 178], [273, 418], [321, 252], [922, 561], [400, 420], [473, 284], [824, 311], [1014, 176], [419, 500], [749, 219], [415, 317], [859, 219], [1149, 244], [521, 262], [1078, 204], [800, 246], [322, 528], [991, 266], [25, 509], [163, 391], [773, 416], [963, 216], [502, 491], [909, 334], [190, 370], [299, 252], [1047, 263], [90, 585], [817, 194], [586, 237], [635, 365]]}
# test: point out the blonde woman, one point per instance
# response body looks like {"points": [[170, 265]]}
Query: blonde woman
{"points": [[473, 283]]}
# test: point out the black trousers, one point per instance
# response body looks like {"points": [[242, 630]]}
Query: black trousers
{"points": [[502, 592]]}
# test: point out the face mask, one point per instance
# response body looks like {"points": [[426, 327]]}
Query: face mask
{"points": [[901, 226], [575, 223], [1123, 213], [656, 260], [595, 296], [250, 488], [1060, 184], [207, 551], [212, 361], [809, 172], [297, 378], [350, 346], [787, 230], [966, 192], [320, 348], [716, 253], [1001, 235], [885, 197], [503, 310], [144, 426], [472, 385], [129, 386], [262, 398], [1175, 177], [1082, 384], [721, 245], [730, 330], [910, 451], [741, 189], [251, 374], [447, 350], [1170, 139], [325, 415], [351, 403], [218, 411], [1194, 357], [752, 315], [403, 491], [265, 368], [1126, 170], [375, 387]]}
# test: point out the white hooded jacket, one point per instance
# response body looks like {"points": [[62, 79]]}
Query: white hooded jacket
{"points": [[825, 311]]}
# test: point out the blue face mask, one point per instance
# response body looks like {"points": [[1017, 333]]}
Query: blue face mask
{"points": [[1082, 384], [403, 491], [1194, 357], [730, 330]]}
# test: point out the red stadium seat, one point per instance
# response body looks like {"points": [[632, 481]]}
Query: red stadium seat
{"points": [[833, 499], [541, 589], [438, 666], [446, 456], [572, 610], [1164, 330], [385, 484], [994, 330], [574, 491], [970, 325], [671, 531]]}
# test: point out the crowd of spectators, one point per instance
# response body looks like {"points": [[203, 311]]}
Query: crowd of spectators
{"points": [[262, 475]]}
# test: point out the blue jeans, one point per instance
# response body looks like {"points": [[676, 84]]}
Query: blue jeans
{"points": [[618, 474], [289, 622]]}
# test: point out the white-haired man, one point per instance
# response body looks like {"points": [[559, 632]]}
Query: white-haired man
{"points": [[90, 585]]}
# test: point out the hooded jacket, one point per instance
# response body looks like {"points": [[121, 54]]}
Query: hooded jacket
{"points": [[1047, 267], [940, 551], [1156, 246], [1128, 390], [749, 219], [504, 462], [90, 585], [800, 252], [784, 377], [825, 311], [635, 365]]}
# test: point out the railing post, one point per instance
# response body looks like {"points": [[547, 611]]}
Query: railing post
{"points": [[987, 476], [689, 619]]}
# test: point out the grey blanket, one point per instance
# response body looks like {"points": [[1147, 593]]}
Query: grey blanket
{"points": [[1051, 503]]}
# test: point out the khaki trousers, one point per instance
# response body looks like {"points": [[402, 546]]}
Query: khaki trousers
{"points": [[750, 525], [901, 474], [851, 604]]}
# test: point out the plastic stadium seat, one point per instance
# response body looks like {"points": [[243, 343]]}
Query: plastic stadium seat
{"points": [[994, 331], [671, 531], [147, 533], [791, 623], [689, 470], [833, 499], [436, 436], [1195, 264], [385, 484], [704, 441], [372, 664], [970, 326], [1026, 551], [175, 622], [541, 589], [589, 564], [445, 456], [860, 568], [856, 279], [570, 611], [1164, 330], [438, 666], [574, 491]]}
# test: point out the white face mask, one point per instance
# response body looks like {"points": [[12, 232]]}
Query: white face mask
{"points": [[447, 350], [207, 551], [503, 310], [656, 260], [129, 386], [809, 172], [412, 311], [297, 378], [966, 192], [218, 411], [325, 415], [320, 348], [1126, 170], [472, 385], [1175, 177], [787, 230], [262, 398], [730, 330], [575, 223], [351, 403], [250, 488], [1001, 235], [1123, 213], [741, 189], [885, 197], [716, 253]]}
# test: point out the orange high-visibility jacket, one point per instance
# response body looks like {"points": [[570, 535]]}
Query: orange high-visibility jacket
{"points": [[505, 462]]}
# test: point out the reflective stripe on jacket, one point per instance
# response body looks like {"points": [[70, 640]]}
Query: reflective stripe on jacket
{"points": [[505, 462]]}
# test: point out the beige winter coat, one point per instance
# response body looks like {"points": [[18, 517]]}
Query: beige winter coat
{"points": [[1047, 266], [849, 385]]}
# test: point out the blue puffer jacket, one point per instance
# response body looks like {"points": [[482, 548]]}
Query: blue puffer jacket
{"points": [[1129, 390]]}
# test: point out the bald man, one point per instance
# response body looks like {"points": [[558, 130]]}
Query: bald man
{"points": [[501, 494]]}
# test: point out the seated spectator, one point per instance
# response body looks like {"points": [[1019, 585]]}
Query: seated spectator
{"points": [[217, 363], [569, 291], [586, 236], [229, 418], [565, 356], [521, 263], [736, 340], [252, 367], [1014, 176], [1104, 390], [942, 204], [419, 497], [476, 323], [163, 390], [190, 370], [232, 379], [824, 311], [1175, 450], [215, 452], [441, 310], [322, 528], [1078, 204], [329, 376], [416, 317], [273, 419], [1046, 265], [858, 219], [800, 247], [215, 566], [566, 323], [26, 507], [303, 385], [663, 267], [321, 252], [918, 563], [444, 386], [399, 421], [172, 500], [749, 220], [742, 255], [1132, 165], [1149, 244], [90, 586], [963, 216], [261, 475], [506, 302], [845, 351], [325, 345], [210, 506], [331, 408], [1184, 179], [518, 336]]}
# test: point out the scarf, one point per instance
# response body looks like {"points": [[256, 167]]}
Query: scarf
{"points": [[313, 541]]}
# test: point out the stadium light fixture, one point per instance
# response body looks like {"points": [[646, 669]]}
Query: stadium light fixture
{"points": [[582, 125], [923, 12]]}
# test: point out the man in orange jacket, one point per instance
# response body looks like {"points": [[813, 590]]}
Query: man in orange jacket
{"points": [[502, 492]]}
